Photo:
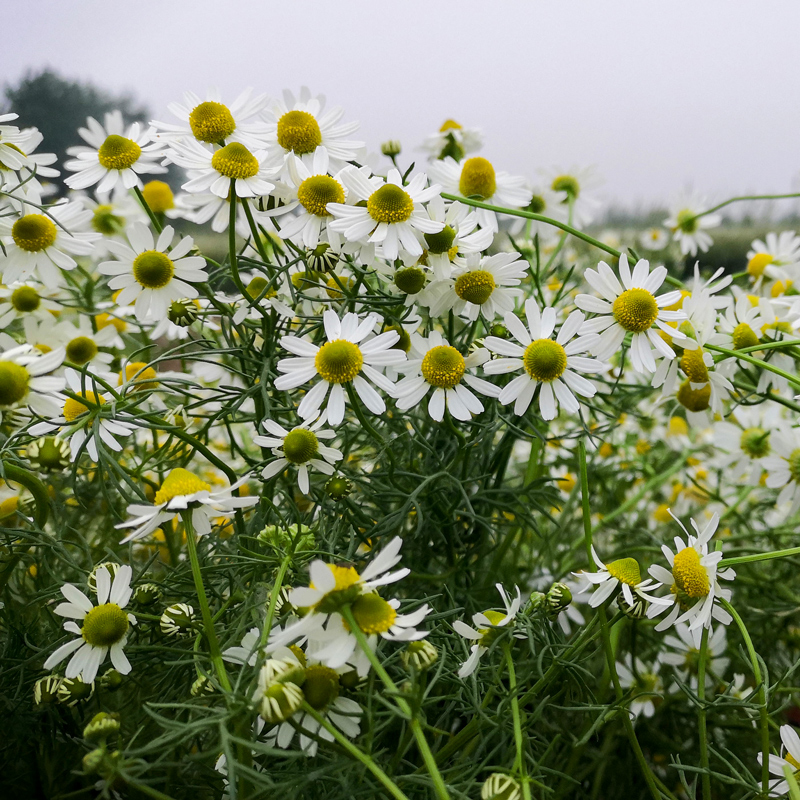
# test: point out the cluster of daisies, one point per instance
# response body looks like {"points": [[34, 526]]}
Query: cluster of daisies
{"points": [[354, 294]]}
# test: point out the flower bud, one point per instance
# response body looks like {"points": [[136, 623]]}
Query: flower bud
{"points": [[101, 727], [338, 487], [280, 701], [183, 312], [297, 538], [147, 594], [421, 655], [111, 680], [558, 597], [201, 686], [73, 690], [499, 330], [45, 690], [93, 760], [391, 149], [111, 568], [177, 619], [501, 787], [636, 611], [49, 454]]}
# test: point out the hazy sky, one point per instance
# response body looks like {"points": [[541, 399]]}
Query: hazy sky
{"points": [[657, 96]]}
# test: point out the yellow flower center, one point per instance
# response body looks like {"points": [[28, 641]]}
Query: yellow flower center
{"points": [[694, 399], [308, 279], [792, 760], [81, 350], [211, 122], [693, 365], [105, 221], [316, 192], [410, 280], [235, 161], [677, 427], [568, 184], [755, 442], [13, 383], [105, 625], [117, 152], [443, 367], [440, 242], [488, 635], [153, 269], [158, 196], [5, 167], [477, 179], [321, 686], [780, 287], [758, 263], [690, 576], [475, 286], [140, 374], [74, 408], [336, 283], [544, 360], [744, 336], [256, 288], [661, 514], [449, 125], [179, 483], [687, 221], [33, 233], [625, 570], [299, 131], [347, 589], [373, 614], [635, 310], [103, 320], [300, 445], [390, 204], [339, 361], [25, 299]]}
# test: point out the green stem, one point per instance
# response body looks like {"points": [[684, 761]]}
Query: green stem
{"points": [[520, 762], [740, 199], [254, 230], [357, 754], [208, 622], [416, 728], [153, 219], [273, 600], [731, 562], [701, 715], [793, 379], [762, 692], [16, 474]]}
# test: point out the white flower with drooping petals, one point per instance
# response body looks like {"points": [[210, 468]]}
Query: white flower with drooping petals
{"points": [[688, 229], [790, 758]]}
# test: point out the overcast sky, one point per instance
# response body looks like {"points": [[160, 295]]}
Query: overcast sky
{"points": [[658, 96]]}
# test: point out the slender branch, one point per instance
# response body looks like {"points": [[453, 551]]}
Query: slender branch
{"points": [[520, 761], [701, 715], [153, 219]]}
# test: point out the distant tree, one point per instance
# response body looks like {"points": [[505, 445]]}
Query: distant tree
{"points": [[58, 107]]}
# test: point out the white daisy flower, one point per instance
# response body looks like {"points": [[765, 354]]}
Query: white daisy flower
{"points": [[630, 307], [623, 572], [212, 122], [552, 364], [488, 626], [26, 379], [745, 438], [575, 187], [26, 299], [297, 126], [783, 470], [17, 156], [260, 292], [301, 448], [341, 361], [153, 274], [644, 682], [81, 343], [394, 215], [476, 178], [112, 213], [775, 259], [83, 422], [485, 286], [213, 170], [116, 156], [654, 239], [247, 652], [436, 365], [182, 491], [453, 140], [687, 228], [693, 582], [683, 653], [104, 629], [41, 245], [740, 325], [790, 758]]}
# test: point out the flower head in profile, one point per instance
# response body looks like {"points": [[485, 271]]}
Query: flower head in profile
{"points": [[689, 225], [692, 580], [26, 382], [343, 360], [115, 156], [550, 364], [183, 492], [488, 626], [624, 572], [104, 628], [453, 140]]}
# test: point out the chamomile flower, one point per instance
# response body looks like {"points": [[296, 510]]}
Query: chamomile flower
{"points": [[740, 325], [790, 758], [183, 491], [260, 292], [213, 170], [26, 380], [82, 422], [18, 158], [153, 274], [775, 259], [485, 286], [210, 121], [623, 572], [654, 239], [575, 188], [104, 628], [783, 469], [630, 307], [297, 126], [689, 229], [437, 365], [116, 156], [302, 447], [683, 653], [41, 245], [453, 140], [476, 178], [26, 299], [744, 439], [81, 343], [693, 581], [112, 214], [643, 682], [550, 364], [343, 360], [393, 216], [489, 626]]}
